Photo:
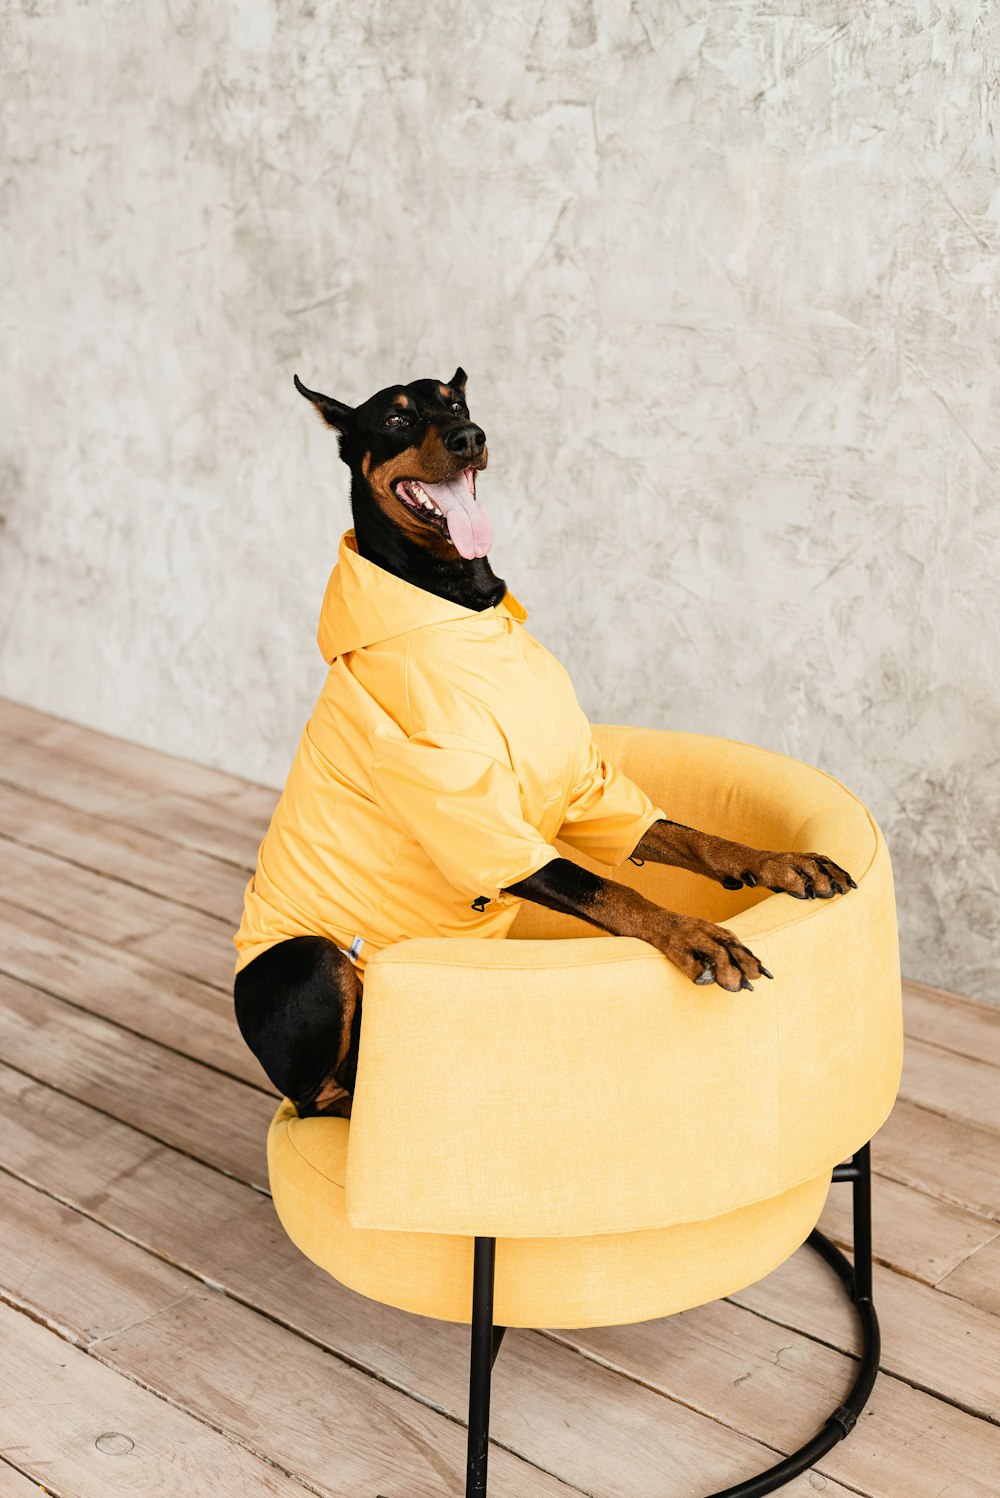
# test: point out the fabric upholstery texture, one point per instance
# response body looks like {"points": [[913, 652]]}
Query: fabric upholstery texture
{"points": [[636, 1144]]}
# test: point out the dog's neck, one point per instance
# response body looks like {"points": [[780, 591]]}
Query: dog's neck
{"points": [[471, 583]]}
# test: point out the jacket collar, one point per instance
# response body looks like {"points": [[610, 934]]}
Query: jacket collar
{"points": [[365, 604]]}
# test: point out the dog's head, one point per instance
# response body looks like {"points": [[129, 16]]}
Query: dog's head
{"points": [[414, 453]]}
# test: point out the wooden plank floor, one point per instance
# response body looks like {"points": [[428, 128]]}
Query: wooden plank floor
{"points": [[159, 1334]]}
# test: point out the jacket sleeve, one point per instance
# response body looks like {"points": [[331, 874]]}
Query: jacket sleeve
{"points": [[607, 813], [463, 807]]}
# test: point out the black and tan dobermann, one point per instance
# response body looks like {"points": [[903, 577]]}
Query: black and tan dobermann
{"points": [[298, 1003]]}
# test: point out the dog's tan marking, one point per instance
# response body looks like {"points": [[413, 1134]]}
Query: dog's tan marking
{"points": [[625, 912], [366, 463], [333, 1096], [444, 390], [332, 1093], [401, 400], [718, 858], [699, 948], [429, 463]]}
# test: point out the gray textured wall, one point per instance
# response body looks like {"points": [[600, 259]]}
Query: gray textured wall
{"points": [[725, 280]]}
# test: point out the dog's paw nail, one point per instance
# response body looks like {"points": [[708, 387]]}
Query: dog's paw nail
{"points": [[730, 883], [748, 878], [746, 984], [851, 882]]}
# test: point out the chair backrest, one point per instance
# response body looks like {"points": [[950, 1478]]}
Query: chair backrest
{"points": [[734, 790], [531, 1088]]}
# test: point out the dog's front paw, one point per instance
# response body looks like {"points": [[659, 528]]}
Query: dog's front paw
{"points": [[807, 876], [707, 953]]}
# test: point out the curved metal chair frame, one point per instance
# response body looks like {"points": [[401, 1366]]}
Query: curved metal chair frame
{"points": [[857, 1280]]}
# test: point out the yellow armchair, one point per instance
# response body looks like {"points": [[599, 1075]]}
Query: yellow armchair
{"points": [[561, 1130]]}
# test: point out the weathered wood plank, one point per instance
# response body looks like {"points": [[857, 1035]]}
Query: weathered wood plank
{"points": [[914, 1233], [978, 1279], [128, 990], [955, 1024], [953, 1161], [118, 762], [932, 1340], [760, 1377], [15, 1484], [229, 825], [84, 1431], [226, 828], [182, 940], [638, 1446], [131, 1183], [184, 875], [956, 1086], [168, 1096], [241, 1374], [77, 1277]]}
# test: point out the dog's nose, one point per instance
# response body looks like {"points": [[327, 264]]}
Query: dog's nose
{"points": [[467, 441]]}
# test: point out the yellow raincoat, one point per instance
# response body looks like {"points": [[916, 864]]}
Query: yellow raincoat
{"points": [[446, 752]]}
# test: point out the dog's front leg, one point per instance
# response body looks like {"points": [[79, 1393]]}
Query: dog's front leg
{"points": [[705, 952], [807, 876]]}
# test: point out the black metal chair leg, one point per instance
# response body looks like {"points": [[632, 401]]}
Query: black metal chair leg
{"points": [[862, 1189], [856, 1278], [863, 1288], [485, 1346]]}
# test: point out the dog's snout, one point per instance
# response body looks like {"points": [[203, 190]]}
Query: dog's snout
{"points": [[466, 441]]}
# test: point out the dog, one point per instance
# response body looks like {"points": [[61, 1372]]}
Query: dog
{"points": [[444, 755]]}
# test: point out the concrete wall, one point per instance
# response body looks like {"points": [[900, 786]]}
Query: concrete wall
{"points": [[725, 280]]}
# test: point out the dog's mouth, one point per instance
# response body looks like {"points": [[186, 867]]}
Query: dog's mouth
{"points": [[451, 507]]}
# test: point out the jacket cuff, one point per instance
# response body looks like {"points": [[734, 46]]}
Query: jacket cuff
{"points": [[635, 835], [539, 860]]}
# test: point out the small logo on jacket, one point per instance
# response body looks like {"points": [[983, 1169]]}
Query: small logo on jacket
{"points": [[480, 903]]}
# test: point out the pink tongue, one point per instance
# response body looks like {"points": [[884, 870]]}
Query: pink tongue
{"points": [[468, 523]]}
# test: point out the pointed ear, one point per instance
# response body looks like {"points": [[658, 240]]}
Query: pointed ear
{"points": [[334, 413], [458, 379]]}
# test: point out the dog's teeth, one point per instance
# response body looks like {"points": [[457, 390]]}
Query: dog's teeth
{"points": [[424, 499]]}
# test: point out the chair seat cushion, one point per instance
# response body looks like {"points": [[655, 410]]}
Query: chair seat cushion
{"points": [[601, 1280]]}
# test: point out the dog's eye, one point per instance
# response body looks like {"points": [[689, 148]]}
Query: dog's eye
{"points": [[397, 419], [458, 405]]}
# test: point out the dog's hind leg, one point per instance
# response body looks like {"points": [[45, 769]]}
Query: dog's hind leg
{"points": [[298, 1007]]}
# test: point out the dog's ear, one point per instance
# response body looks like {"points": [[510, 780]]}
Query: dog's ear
{"points": [[334, 413], [458, 379]]}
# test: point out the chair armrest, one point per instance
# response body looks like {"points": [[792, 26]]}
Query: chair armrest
{"points": [[573, 1087]]}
